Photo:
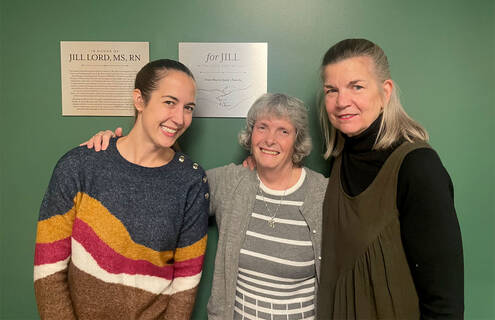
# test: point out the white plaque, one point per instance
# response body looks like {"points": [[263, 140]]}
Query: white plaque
{"points": [[98, 77], [229, 76]]}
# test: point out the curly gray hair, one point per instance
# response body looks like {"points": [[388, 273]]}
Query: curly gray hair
{"points": [[281, 106]]}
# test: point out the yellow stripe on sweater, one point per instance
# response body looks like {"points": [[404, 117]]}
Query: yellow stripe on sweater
{"points": [[193, 251], [57, 227], [113, 232]]}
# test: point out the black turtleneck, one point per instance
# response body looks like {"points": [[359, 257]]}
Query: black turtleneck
{"points": [[429, 228]]}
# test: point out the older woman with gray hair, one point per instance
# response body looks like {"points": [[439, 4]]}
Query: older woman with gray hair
{"points": [[269, 220]]}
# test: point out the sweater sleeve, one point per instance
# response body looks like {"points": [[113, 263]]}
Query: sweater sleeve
{"points": [[53, 242], [222, 180], [431, 235], [213, 177], [189, 255]]}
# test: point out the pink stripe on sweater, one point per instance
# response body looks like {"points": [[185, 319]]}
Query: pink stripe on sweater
{"points": [[189, 267], [45, 253], [112, 261]]}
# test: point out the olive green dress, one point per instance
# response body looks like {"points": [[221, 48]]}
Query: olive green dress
{"points": [[364, 271]]}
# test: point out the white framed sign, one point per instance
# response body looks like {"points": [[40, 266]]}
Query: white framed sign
{"points": [[229, 76]]}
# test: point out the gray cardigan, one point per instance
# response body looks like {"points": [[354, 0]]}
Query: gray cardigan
{"points": [[233, 192]]}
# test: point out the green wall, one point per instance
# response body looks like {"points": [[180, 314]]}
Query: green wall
{"points": [[441, 52]]}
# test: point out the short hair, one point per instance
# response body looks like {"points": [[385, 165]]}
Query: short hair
{"points": [[395, 125], [280, 105], [148, 77]]}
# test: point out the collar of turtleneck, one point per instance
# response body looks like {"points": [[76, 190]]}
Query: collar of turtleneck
{"points": [[364, 141], [360, 163]]}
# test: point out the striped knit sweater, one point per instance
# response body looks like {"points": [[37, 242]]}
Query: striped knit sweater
{"points": [[119, 241], [276, 277]]}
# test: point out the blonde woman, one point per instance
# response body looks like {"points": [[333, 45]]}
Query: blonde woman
{"points": [[391, 246]]}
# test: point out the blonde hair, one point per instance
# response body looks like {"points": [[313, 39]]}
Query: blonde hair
{"points": [[395, 125]]}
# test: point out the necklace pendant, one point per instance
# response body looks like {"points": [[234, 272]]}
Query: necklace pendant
{"points": [[271, 223]]}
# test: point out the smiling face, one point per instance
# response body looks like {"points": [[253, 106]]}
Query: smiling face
{"points": [[168, 112], [354, 97], [272, 143]]}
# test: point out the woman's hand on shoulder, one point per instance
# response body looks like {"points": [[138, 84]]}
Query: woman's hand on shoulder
{"points": [[100, 140], [249, 163]]}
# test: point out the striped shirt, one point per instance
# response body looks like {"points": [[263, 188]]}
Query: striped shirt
{"points": [[276, 278]]}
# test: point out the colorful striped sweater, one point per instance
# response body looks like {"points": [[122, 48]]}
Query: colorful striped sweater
{"points": [[119, 241]]}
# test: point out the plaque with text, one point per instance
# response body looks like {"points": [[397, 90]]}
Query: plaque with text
{"points": [[98, 77], [229, 76]]}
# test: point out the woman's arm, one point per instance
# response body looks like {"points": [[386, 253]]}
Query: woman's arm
{"points": [[101, 139], [431, 235], [53, 242], [189, 254], [214, 181]]}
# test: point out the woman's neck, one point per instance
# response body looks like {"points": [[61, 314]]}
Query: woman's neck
{"points": [[136, 149], [279, 179]]}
